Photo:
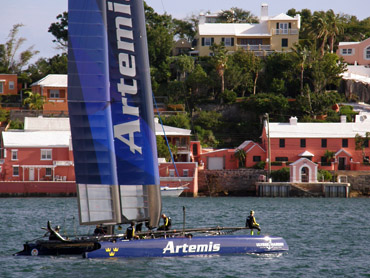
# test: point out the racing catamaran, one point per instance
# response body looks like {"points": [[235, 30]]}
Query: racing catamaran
{"points": [[114, 143]]}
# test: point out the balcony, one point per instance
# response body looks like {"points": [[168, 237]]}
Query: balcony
{"points": [[258, 50], [284, 31]]}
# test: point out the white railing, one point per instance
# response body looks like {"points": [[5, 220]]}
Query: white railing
{"points": [[258, 47], [284, 31]]}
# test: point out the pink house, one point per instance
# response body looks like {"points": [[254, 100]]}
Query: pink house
{"points": [[355, 52], [40, 152], [292, 141]]}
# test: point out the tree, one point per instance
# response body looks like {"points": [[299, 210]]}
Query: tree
{"points": [[241, 155], [236, 15], [34, 101], [60, 31], [301, 54], [361, 143], [220, 60], [184, 65], [335, 27], [8, 51]]}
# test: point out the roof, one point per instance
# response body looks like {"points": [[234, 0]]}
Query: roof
{"points": [[319, 130], [53, 80], [41, 123], [36, 139], [282, 16], [234, 29]]}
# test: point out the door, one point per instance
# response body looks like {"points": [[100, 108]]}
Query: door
{"points": [[342, 163], [31, 174], [305, 174], [215, 163]]}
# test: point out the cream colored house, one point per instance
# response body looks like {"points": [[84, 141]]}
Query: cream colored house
{"points": [[278, 33]]}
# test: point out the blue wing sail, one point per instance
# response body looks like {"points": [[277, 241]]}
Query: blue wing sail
{"points": [[111, 112]]}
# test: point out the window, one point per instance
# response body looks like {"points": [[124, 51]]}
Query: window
{"points": [[303, 143], [367, 53], [324, 143], [45, 154], [11, 85], [345, 143], [284, 42], [256, 158], [1, 87], [207, 41], [54, 94], [48, 172], [228, 41], [282, 143], [15, 171], [185, 173], [172, 173], [14, 154], [282, 28], [346, 51], [281, 158]]}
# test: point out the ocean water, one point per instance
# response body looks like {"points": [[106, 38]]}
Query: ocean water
{"points": [[327, 238]]}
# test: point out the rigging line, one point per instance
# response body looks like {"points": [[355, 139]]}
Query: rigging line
{"points": [[165, 136], [164, 10]]}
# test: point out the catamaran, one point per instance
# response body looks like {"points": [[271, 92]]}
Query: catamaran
{"points": [[114, 144]]}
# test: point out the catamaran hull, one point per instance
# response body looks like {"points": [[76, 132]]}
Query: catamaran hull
{"points": [[184, 246]]}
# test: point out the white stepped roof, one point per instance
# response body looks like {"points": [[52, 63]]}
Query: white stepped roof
{"points": [[53, 80], [36, 139], [233, 29], [41, 123], [319, 130]]}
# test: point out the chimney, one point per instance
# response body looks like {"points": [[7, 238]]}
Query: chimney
{"points": [[293, 120], [264, 12], [202, 18], [343, 118]]}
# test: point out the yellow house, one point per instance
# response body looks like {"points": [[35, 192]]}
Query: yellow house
{"points": [[277, 33]]}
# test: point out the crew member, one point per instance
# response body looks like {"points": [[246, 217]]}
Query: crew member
{"points": [[54, 234], [99, 230], [166, 223], [130, 232], [252, 224]]}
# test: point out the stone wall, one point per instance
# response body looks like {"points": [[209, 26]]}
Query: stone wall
{"points": [[359, 181], [240, 182], [355, 88]]}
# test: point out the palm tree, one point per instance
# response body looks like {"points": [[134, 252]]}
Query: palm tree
{"points": [[241, 155], [34, 100], [302, 54], [335, 27], [320, 29], [237, 15], [220, 58]]}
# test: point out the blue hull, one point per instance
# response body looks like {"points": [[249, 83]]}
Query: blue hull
{"points": [[183, 246]]}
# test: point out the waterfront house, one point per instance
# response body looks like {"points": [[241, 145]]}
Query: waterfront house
{"points": [[333, 146], [54, 89], [40, 152], [355, 53], [8, 84], [277, 33]]}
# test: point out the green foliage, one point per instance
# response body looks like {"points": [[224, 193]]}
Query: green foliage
{"points": [[60, 31], [162, 149], [241, 155], [282, 175], [324, 175], [34, 101], [228, 96], [267, 103], [208, 119], [329, 155], [9, 63], [236, 15], [16, 124], [4, 115], [180, 120], [347, 110], [259, 165]]}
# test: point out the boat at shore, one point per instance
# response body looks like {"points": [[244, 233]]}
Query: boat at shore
{"points": [[114, 146], [167, 191]]}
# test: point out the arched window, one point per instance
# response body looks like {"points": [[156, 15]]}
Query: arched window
{"points": [[305, 174]]}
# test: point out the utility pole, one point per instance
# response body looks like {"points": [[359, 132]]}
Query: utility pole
{"points": [[268, 148]]}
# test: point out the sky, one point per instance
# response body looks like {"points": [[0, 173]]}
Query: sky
{"points": [[37, 15]]}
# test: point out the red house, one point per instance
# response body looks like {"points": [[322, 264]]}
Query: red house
{"points": [[40, 152]]}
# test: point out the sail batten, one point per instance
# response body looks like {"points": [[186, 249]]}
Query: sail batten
{"points": [[111, 111]]}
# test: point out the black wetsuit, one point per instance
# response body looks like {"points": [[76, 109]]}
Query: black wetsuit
{"points": [[251, 223], [130, 232]]}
